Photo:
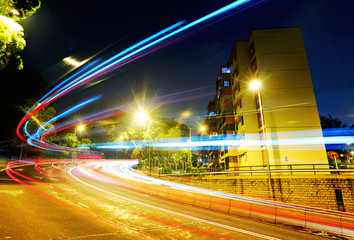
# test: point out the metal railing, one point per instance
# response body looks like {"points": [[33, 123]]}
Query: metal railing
{"points": [[289, 169]]}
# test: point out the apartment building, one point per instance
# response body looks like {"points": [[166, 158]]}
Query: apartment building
{"points": [[277, 124]]}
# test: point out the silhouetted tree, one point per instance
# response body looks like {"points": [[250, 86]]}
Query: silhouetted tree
{"points": [[329, 122]]}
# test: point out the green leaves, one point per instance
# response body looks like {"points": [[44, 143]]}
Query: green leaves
{"points": [[12, 42]]}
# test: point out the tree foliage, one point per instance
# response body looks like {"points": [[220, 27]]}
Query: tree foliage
{"points": [[329, 122], [167, 159], [12, 40]]}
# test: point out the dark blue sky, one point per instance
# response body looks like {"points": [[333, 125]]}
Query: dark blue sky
{"points": [[81, 28]]}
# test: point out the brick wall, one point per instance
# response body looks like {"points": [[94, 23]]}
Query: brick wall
{"points": [[313, 191]]}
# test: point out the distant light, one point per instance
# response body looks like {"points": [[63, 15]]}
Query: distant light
{"points": [[15, 12], [121, 137], [186, 114], [255, 85], [202, 128], [73, 61]]}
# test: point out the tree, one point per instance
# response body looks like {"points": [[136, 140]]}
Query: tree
{"points": [[69, 140], [167, 159], [18, 83], [329, 122], [27, 7], [12, 40], [39, 119]]}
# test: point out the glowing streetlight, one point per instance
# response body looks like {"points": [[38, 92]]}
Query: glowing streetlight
{"points": [[81, 127], [142, 117], [255, 85], [121, 137], [202, 128], [15, 12]]}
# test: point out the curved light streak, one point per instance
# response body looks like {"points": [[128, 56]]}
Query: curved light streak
{"points": [[86, 74]]}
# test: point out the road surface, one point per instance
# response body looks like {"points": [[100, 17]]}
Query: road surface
{"points": [[57, 201]]}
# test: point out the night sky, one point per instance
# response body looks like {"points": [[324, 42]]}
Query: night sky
{"points": [[85, 28]]}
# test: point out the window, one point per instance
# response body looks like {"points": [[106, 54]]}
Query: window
{"points": [[212, 114], [230, 127], [237, 87], [238, 104], [240, 120], [254, 65], [226, 83], [236, 72], [251, 50], [235, 58], [225, 70]]}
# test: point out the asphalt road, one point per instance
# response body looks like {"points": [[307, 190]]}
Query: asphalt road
{"points": [[45, 202]]}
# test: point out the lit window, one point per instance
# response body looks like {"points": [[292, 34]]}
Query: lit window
{"points": [[225, 70], [226, 84]]}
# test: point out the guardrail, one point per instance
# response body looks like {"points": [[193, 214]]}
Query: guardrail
{"points": [[290, 169], [338, 223]]}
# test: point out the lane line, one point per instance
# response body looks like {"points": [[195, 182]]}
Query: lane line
{"points": [[175, 213]]}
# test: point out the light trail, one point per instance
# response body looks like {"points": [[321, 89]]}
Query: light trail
{"points": [[110, 64], [295, 140], [327, 220], [262, 236]]}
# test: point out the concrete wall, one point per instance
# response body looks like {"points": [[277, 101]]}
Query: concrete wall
{"points": [[312, 191]]}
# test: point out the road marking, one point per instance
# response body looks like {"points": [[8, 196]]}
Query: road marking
{"points": [[83, 204], [176, 213], [12, 191]]}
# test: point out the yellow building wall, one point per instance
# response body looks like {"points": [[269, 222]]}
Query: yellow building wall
{"points": [[288, 98]]}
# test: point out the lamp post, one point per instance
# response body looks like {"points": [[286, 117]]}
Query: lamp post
{"points": [[255, 86], [202, 129], [143, 119]]}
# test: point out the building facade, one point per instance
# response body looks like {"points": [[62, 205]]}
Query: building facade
{"points": [[277, 124]]}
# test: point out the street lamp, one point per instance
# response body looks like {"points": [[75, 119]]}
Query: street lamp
{"points": [[255, 86], [80, 128], [142, 117], [202, 129]]}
